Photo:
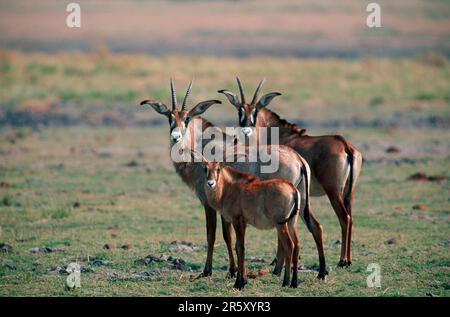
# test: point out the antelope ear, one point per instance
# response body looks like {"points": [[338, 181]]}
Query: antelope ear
{"points": [[266, 99], [202, 107], [158, 106], [231, 97]]}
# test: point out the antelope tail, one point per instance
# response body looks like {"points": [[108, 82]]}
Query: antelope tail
{"points": [[351, 181], [306, 210], [296, 207]]}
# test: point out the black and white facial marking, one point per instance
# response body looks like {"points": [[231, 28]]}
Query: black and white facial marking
{"points": [[248, 112], [247, 118], [178, 122], [212, 170], [179, 117]]}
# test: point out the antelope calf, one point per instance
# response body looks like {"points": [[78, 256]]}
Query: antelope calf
{"points": [[243, 199]]}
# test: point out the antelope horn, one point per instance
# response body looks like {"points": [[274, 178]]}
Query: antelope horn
{"points": [[255, 96], [188, 91], [197, 155], [174, 95], [241, 90]]}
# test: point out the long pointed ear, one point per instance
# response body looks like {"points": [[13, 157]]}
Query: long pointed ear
{"points": [[158, 106], [266, 99], [202, 107], [231, 97]]}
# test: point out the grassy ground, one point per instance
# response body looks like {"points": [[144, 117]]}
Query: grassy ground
{"points": [[78, 188], [146, 206]]}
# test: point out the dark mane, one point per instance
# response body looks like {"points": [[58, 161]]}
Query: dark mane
{"points": [[205, 123], [274, 120]]}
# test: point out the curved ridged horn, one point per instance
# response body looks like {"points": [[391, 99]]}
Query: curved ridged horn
{"points": [[174, 95], [255, 96], [241, 90], [188, 91]]}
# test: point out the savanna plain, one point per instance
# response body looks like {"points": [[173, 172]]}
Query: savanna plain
{"points": [[86, 175]]}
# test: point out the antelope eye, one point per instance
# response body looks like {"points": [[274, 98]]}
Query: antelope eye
{"points": [[171, 120], [253, 116], [241, 115]]}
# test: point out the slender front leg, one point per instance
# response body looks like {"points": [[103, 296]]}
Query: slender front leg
{"points": [[239, 227], [211, 222], [226, 230]]}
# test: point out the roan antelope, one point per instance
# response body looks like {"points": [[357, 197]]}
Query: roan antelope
{"points": [[335, 163], [244, 199], [182, 122]]}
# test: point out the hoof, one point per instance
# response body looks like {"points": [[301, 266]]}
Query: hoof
{"points": [[203, 274], [231, 272], [276, 272], [240, 283], [344, 263], [294, 284], [322, 275], [285, 283]]}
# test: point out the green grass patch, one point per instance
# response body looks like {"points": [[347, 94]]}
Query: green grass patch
{"points": [[58, 213]]}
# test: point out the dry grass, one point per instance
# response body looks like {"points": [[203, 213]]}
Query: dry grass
{"points": [[147, 206], [74, 188], [365, 88]]}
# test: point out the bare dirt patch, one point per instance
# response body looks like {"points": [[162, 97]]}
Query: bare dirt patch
{"points": [[422, 177]]}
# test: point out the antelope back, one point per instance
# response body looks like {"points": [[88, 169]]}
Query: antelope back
{"points": [[290, 165]]}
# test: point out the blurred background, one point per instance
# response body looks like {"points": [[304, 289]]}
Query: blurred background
{"points": [[85, 171], [319, 54], [315, 28]]}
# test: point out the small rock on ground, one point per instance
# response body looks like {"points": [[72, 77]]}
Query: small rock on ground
{"points": [[44, 250], [391, 241], [257, 273], [183, 246], [6, 248], [174, 263], [257, 259], [392, 149], [420, 207]]}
